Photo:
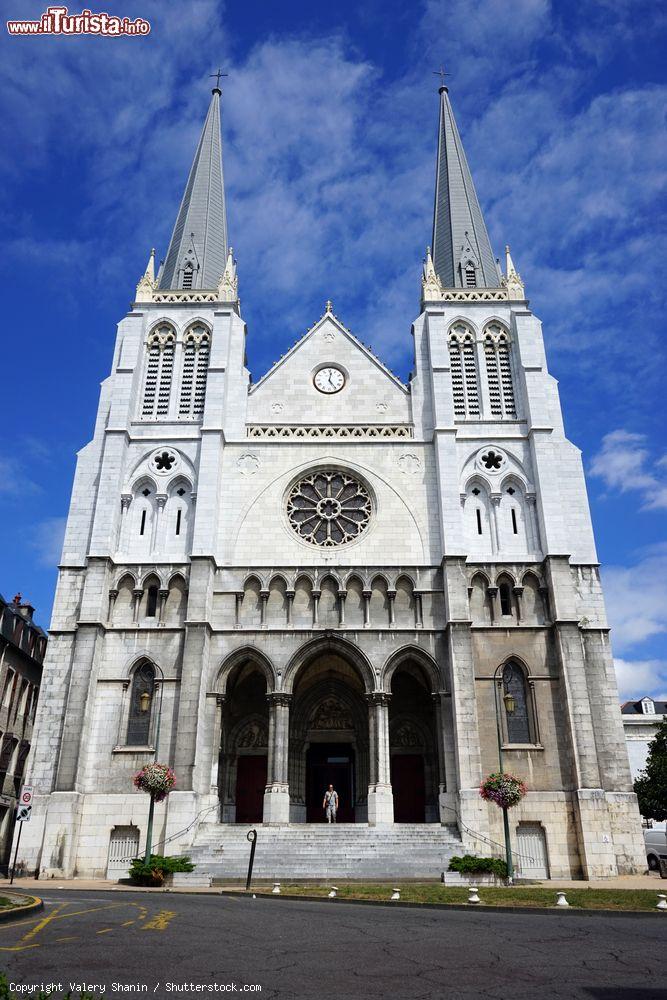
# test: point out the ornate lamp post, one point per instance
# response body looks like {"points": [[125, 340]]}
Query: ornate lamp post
{"points": [[510, 706], [144, 707]]}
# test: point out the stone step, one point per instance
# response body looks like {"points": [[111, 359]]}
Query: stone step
{"points": [[316, 850]]}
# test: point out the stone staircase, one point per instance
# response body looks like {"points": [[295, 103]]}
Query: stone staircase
{"points": [[319, 851]]}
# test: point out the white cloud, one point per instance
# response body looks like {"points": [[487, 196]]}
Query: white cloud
{"points": [[637, 678], [624, 463], [636, 599], [13, 480], [47, 540]]}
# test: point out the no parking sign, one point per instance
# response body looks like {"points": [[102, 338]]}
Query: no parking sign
{"points": [[24, 807]]}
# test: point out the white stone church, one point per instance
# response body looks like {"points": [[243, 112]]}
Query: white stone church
{"points": [[326, 575]]}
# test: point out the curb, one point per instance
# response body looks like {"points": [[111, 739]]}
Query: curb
{"points": [[20, 912], [553, 911]]}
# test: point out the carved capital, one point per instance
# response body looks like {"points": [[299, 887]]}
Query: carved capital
{"points": [[279, 698], [378, 698]]}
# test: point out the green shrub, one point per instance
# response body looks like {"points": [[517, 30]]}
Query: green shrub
{"points": [[470, 864], [158, 866]]}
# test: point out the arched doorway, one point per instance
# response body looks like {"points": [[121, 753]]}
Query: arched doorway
{"points": [[328, 739], [244, 745], [412, 746]]}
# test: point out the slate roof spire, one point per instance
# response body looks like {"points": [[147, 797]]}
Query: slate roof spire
{"points": [[462, 254], [198, 249]]}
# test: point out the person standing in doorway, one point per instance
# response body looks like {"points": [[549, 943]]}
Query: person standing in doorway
{"points": [[330, 804]]}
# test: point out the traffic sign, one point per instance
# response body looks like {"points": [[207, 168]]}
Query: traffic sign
{"points": [[24, 807], [23, 814], [26, 795]]}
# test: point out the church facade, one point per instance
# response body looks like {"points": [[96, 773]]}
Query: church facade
{"points": [[329, 575]]}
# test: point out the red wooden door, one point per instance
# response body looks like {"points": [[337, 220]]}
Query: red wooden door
{"points": [[250, 785], [407, 782]]}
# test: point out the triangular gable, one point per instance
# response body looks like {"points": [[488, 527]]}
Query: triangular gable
{"points": [[287, 392], [329, 318]]}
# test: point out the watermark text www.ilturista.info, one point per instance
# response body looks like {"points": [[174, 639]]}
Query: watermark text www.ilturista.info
{"points": [[58, 21]]}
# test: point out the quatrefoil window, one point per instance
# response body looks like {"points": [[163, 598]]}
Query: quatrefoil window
{"points": [[329, 508], [491, 460]]}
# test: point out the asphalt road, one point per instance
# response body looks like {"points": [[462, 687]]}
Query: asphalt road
{"points": [[301, 950]]}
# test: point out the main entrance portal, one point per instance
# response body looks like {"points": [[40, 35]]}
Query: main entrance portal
{"points": [[330, 764], [328, 742]]}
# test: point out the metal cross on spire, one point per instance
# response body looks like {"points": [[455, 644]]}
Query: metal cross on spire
{"points": [[441, 73], [217, 77]]}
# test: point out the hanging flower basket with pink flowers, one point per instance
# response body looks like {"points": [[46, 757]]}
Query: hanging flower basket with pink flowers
{"points": [[156, 779], [503, 789]]}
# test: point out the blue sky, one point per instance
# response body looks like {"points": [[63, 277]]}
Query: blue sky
{"points": [[329, 120]]}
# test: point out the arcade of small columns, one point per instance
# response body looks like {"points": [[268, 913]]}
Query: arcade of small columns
{"points": [[328, 701]]}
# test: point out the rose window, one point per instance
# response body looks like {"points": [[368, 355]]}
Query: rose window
{"points": [[329, 508]]}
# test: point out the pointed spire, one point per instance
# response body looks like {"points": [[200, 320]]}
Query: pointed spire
{"points": [[512, 279], [146, 285], [462, 254], [431, 287], [198, 248], [228, 287]]}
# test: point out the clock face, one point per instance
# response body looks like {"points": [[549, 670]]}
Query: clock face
{"points": [[329, 379]]}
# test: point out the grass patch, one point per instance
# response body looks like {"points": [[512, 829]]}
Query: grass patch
{"points": [[586, 899], [15, 902]]}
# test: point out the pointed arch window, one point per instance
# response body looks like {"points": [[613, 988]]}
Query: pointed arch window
{"points": [[519, 722], [465, 378], [142, 697], [497, 354], [159, 373], [469, 275], [196, 350]]}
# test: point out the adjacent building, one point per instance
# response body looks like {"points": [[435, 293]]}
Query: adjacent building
{"points": [[329, 574], [22, 650]]}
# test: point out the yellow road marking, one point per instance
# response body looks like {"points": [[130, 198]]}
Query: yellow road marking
{"points": [[127, 923], [107, 930], [20, 947], [42, 923], [160, 921], [58, 940]]}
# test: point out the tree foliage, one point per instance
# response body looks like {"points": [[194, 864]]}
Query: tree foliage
{"points": [[651, 785]]}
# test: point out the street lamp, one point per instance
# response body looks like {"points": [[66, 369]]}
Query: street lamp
{"points": [[510, 706], [144, 706]]}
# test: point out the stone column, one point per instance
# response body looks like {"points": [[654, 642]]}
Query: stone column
{"points": [[380, 797], [391, 596], [492, 595], [136, 595], [518, 594], [342, 594], [366, 594], [113, 594], [162, 595], [290, 602], [156, 536], [125, 501], [276, 796], [263, 598], [316, 608], [238, 596], [495, 530], [419, 615], [217, 741]]}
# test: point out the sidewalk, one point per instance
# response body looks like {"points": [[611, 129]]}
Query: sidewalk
{"points": [[650, 880]]}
